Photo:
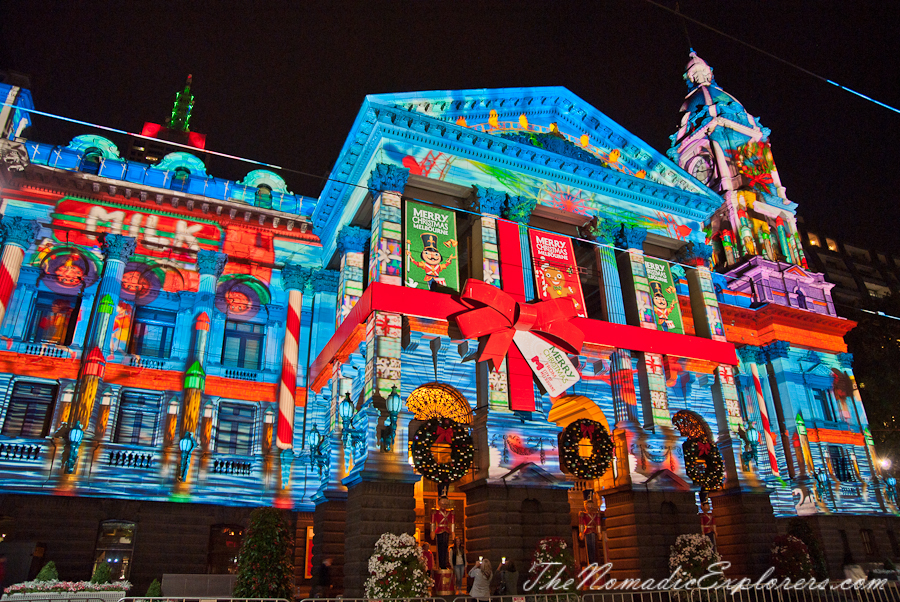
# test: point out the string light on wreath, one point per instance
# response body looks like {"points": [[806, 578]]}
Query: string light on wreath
{"points": [[446, 431], [595, 464], [703, 462]]}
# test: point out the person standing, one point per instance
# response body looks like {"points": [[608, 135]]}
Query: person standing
{"points": [[511, 579], [322, 583], [481, 575], [458, 560]]}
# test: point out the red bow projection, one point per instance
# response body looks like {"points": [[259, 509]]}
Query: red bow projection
{"points": [[761, 180], [502, 316], [444, 435], [587, 430], [497, 315], [703, 448]]}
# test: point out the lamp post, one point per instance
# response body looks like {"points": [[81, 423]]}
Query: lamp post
{"points": [[75, 437], [316, 457], [393, 404], [351, 437], [186, 444]]}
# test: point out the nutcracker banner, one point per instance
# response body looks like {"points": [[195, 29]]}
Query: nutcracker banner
{"points": [[555, 270], [431, 254], [664, 298]]}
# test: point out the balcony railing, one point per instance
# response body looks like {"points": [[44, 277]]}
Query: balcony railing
{"points": [[47, 350], [130, 459], [22, 452]]}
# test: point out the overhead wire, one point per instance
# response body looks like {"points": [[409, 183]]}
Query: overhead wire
{"points": [[362, 186], [775, 57]]}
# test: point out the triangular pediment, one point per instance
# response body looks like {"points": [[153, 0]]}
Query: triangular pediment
{"points": [[539, 111], [797, 271], [529, 473]]}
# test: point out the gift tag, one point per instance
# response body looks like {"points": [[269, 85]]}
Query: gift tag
{"points": [[548, 362]]}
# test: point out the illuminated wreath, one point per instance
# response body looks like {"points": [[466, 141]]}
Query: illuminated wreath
{"points": [[442, 430], [703, 463], [595, 465]]}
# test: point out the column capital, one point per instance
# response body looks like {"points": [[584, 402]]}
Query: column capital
{"points": [[19, 231], [518, 208], [388, 178], [117, 247], [777, 350], [294, 277], [211, 262], [752, 354], [694, 253], [488, 200], [323, 280], [845, 359], [601, 230], [353, 239], [631, 238]]}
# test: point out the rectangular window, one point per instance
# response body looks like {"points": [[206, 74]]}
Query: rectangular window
{"points": [[841, 463], [824, 399], [153, 333], [138, 417], [243, 345], [224, 546], [235, 430], [51, 320], [30, 410], [868, 539], [115, 547]]}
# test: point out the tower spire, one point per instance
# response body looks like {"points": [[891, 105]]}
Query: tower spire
{"points": [[181, 110]]}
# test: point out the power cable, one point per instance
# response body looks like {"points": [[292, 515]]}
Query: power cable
{"points": [[681, 15]]}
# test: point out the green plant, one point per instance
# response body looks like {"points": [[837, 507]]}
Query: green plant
{"points": [[102, 574], [790, 557], [554, 550], [692, 554], [265, 569], [48, 573], [155, 590], [800, 529], [397, 569]]}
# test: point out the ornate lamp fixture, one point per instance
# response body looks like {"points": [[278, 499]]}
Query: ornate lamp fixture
{"points": [[350, 436], [75, 437], [186, 444], [393, 404], [316, 457]]}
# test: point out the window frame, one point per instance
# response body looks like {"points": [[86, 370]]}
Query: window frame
{"points": [[46, 299], [136, 342], [128, 552], [235, 446], [243, 337], [154, 425], [217, 558], [49, 410]]}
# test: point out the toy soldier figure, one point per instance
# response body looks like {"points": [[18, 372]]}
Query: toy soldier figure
{"points": [[589, 528], [707, 521], [442, 529]]}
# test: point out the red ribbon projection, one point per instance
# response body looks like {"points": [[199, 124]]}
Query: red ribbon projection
{"points": [[762, 180], [587, 430], [501, 316], [703, 448], [444, 435]]}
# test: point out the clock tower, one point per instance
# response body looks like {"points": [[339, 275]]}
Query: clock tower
{"points": [[727, 149]]}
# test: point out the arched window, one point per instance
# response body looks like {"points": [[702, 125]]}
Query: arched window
{"points": [[90, 161], [264, 196], [115, 546], [180, 179]]}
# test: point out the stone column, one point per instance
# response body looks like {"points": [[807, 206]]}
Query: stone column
{"points": [[777, 354], [294, 280], [210, 265], [485, 260], [18, 234], [386, 248], [117, 249], [351, 245], [329, 535], [751, 356]]}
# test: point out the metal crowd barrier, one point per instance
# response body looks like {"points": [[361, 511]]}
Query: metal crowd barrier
{"points": [[199, 599]]}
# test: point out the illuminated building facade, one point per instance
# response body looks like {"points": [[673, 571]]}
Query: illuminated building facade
{"points": [[175, 337]]}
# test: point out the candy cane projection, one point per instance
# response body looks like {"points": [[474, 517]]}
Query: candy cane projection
{"points": [[294, 279]]}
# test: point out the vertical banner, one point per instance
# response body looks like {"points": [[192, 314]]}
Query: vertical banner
{"points": [[555, 270], [431, 254], [664, 299]]}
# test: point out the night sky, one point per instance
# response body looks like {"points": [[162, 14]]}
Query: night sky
{"points": [[283, 82]]}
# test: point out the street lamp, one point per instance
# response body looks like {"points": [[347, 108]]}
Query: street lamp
{"points": [[186, 444], [393, 404], [351, 437], [316, 457], [75, 436]]}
